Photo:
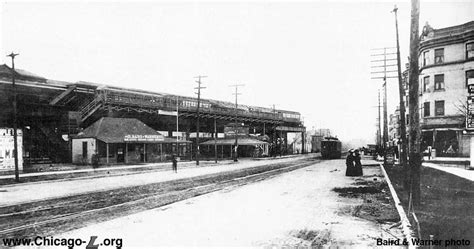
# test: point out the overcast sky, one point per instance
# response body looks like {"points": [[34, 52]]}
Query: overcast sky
{"points": [[311, 56]]}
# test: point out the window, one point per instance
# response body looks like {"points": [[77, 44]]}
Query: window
{"points": [[470, 50], [426, 83], [439, 55], [469, 77], [439, 108], [439, 82], [426, 58], [426, 109]]}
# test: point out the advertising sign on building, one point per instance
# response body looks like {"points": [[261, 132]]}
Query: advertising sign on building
{"points": [[230, 130], [169, 113], [470, 86], [143, 138], [7, 160], [470, 105], [470, 113]]}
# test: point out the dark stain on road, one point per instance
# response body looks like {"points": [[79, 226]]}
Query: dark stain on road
{"points": [[377, 204], [316, 237]]}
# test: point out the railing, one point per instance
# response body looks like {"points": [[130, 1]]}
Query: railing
{"points": [[90, 108]]}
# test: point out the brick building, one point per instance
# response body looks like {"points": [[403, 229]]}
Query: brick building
{"points": [[446, 64]]}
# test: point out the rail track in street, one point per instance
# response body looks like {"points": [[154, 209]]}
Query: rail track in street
{"points": [[54, 216]]}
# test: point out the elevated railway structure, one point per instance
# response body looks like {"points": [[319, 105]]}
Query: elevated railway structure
{"points": [[50, 112]]}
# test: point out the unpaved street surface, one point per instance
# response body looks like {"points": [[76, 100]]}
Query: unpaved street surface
{"points": [[36, 191], [50, 216], [297, 208]]}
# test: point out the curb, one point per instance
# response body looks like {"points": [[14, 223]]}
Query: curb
{"points": [[406, 226]]}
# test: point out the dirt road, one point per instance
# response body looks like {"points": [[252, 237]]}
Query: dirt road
{"points": [[296, 208]]}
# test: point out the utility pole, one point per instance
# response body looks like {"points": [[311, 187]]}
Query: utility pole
{"points": [[215, 139], [401, 92], [415, 133], [236, 145], [382, 57], [275, 140], [177, 126], [199, 87], [15, 135], [379, 120], [385, 116]]}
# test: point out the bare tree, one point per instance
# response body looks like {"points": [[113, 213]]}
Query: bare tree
{"points": [[462, 107]]}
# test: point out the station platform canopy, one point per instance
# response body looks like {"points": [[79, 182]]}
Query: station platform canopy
{"points": [[290, 129], [231, 141]]}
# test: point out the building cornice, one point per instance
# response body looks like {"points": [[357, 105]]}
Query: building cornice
{"points": [[445, 36]]}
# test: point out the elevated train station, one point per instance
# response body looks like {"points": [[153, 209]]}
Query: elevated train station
{"points": [[51, 113]]}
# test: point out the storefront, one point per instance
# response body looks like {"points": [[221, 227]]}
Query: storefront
{"points": [[446, 142], [225, 147], [248, 145], [124, 140]]}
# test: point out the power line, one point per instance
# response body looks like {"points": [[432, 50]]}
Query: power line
{"points": [[383, 58]]}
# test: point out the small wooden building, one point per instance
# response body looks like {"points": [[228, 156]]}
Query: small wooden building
{"points": [[123, 140]]}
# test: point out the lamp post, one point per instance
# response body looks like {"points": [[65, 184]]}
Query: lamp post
{"points": [[15, 135]]}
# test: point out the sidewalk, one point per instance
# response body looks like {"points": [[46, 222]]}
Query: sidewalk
{"points": [[102, 168], [448, 160], [35, 191], [163, 165], [455, 170], [458, 166]]}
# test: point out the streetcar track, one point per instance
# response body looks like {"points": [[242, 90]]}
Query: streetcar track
{"points": [[192, 191]]}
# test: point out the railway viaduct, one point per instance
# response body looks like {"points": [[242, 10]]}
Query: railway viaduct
{"points": [[50, 112]]}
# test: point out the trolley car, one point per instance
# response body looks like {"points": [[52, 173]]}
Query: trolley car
{"points": [[330, 148]]}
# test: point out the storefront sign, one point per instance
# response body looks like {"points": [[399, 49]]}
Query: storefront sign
{"points": [[143, 138], [7, 161], [169, 113], [230, 131]]}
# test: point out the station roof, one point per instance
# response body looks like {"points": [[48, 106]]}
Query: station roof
{"points": [[20, 73], [123, 130]]}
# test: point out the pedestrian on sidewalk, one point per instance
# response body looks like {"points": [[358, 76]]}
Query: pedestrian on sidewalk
{"points": [[357, 164], [174, 160], [429, 152], [350, 163]]}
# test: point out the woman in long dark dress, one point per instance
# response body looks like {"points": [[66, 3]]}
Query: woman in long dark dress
{"points": [[357, 164], [350, 163]]}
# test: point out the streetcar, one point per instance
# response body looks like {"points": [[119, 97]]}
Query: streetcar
{"points": [[330, 148]]}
